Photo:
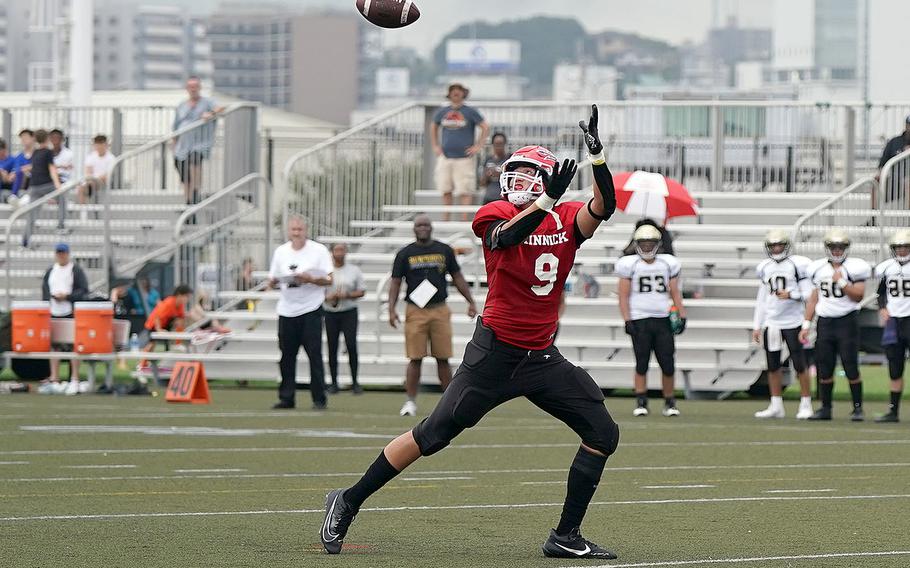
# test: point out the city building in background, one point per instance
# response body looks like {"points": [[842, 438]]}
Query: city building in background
{"points": [[489, 66], [585, 82]]}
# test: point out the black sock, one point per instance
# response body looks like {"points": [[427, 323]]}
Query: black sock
{"points": [[670, 401], [826, 390], [895, 401], [584, 475], [379, 473], [856, 393], [642, 399]]}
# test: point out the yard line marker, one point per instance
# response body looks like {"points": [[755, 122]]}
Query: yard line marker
{"points": [[459, 472], [449, 448], [213, 470], [754, 559], [115, 466], [434, 478], [196, 431], [15, 463], [678, 486], [543, 482], [800, 490], [454, 507]]}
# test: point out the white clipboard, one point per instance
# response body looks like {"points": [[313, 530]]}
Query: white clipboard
{"points": [[423, 293]]}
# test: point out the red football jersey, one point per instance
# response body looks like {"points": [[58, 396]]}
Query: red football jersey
{"points": [[526, 281]]}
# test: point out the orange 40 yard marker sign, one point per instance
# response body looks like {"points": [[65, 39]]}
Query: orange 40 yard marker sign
{"points": [[188, 384]]}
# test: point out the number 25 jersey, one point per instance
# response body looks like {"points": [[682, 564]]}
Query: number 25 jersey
{"points": [[650, 293], [526, 281]]}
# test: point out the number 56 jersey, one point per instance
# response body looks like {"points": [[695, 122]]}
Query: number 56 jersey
{"points": [[526, 281], [832, 301], [650, 294]]}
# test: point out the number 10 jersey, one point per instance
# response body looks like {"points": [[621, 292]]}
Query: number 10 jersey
{"points": [[526, 281], [650, 294]]}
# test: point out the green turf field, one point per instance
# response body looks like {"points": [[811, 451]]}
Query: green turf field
{"points": [[134, 481]]}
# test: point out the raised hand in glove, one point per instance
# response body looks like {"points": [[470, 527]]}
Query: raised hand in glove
{"points": [[557, 184], [592, 138]]}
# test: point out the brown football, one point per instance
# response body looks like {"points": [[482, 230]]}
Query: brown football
{"points": [[388, 13]]}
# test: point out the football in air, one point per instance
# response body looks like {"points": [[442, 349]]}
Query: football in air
{"points": [[388, 13]]}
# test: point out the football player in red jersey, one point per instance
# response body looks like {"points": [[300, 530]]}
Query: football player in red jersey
{"points": [[529, 244]]}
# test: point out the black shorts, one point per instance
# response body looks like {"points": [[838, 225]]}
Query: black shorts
{"points": [[838, 337], [897, 352], [794, 346], [185, 166], [654, 335], [493, 372]]}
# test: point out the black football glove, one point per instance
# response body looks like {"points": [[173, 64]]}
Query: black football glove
{"points": [[557, 184], [681, 327], [630, 327], [592, 138]]}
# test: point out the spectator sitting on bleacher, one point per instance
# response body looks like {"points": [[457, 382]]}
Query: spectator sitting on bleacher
{"points": [[63, 156], [7, 175], [143, 298], [64, 283], [98, 166], [168, 315], [197, 313], [21, 166]]}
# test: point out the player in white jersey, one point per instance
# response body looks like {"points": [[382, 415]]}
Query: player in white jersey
{"points": [[894, 309], [839, 284], [782, 287], [648, 288]]}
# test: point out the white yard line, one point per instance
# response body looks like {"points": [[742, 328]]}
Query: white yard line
{"points": [[100, 466], [452, 447], [14, 463], [213, 470], [678, 487], [463, 472], [709, 561], [454, 507], [434, 478], [800, 491]]}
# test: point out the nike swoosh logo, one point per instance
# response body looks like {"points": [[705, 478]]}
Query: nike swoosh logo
{"points": [[326, 532], [573, 551]]}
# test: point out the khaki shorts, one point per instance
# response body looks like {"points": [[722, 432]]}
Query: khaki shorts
{"points": [[457, 175], [432, 324]]}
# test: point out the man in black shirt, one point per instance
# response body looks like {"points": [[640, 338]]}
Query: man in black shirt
{"points": [[895, 146], [44, 179], [424, 264]]}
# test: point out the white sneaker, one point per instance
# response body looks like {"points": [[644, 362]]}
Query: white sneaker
{"points": [[409, 408], [804, 412], [640, 411], [13, 201], [772, 412], [670, 411], [72, 388], [24, 200], [49, 387]]}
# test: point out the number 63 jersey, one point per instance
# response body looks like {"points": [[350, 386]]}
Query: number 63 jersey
{"points": [[650, 293], [897, 286], [526, 281]]}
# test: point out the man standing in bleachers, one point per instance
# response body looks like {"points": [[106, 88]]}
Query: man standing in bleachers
{"points": [[452, 134], [303, 269], [194, 147]]}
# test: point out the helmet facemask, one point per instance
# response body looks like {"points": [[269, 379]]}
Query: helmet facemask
{"points": [[834, 257], [647, 248], [532, 184], [777, 256], [901, 258]]}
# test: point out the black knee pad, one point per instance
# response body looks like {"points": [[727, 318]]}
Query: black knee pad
{"points": [[607, 438], [428, 442]]}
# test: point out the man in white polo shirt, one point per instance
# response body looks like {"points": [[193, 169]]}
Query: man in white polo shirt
{"points": [[302, 268]]}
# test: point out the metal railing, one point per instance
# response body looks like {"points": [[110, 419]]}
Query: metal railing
{"points": [[352, 175], [224, 209], [849, 209], [34, 208], [893, 197]]}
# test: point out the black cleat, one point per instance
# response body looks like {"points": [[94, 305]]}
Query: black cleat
{"points": [[891, 416], [573, 545], [338, 517], [821, 414], [857, 415], [283, 405]]}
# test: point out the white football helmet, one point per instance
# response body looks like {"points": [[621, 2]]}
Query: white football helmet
{"points": [[837, 238], [900, 239], [520, 187], [647, 241], [777, 237]]}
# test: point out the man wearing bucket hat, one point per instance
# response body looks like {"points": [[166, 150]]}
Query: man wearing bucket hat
{"points": [[452, 134], [64, 283]]}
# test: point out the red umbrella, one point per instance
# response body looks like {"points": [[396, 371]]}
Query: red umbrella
{"points": [[652, 195]]}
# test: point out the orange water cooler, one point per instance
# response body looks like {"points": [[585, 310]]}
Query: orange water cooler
{"points": [[94, 327], [31, 326]]}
